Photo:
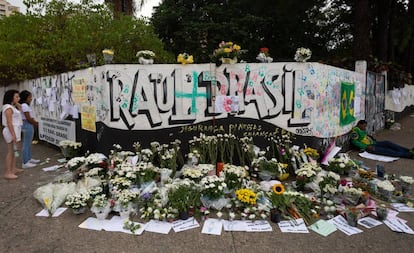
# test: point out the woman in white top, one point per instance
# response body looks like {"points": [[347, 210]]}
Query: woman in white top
{"points": [[12, 122], [29, 124]]}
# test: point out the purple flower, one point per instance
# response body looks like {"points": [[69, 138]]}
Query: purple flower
{"points": [[146, 196]]}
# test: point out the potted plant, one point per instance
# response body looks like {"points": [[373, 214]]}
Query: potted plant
{"points": [[101, 207], [77, 202], [302, 54], [228, 52], [124, 200], [108, 55], [69, 148], [264, 56], [212, 191], [233, 176], [145, 57], [277, 199], [185, 58], [181, 196]]}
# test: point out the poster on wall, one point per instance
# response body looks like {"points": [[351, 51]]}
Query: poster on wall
{"points": [[88, 118], [79, 90], [347, 103], [54, 131]]}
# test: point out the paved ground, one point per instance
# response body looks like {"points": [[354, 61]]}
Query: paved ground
{"points": [[21, 231]]}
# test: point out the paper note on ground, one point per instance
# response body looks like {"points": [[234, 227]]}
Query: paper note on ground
{"points": [[94, 224], [51, 168], [156, 226], [258, 226], [235, 225], [381, 158], [57, 213], [401, 207], [293, 226], [323, 227], [342, 225], [182, 225], [369, 222], [212, 227], [397, 225], [116, 224]]}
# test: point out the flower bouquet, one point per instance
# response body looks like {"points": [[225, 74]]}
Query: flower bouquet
{"points": [[185, 58], [77, 202], [264, 56], [69, 148], [228, 52], [145, 57], [212, 191], [108, 55], [193, 173], [306, 173], [341, 165], [75, 163], [352, 195], [385, 189], [311, 153], [153, 205], [303, 54], [328, 182], [146, 172], [268, 169], [233, 176], [183, 194]]}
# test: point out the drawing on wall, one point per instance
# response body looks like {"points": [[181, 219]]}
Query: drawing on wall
{"points": [[228, 104], [347, 103]]}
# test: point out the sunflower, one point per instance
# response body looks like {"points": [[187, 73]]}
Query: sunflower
{"points": [[278, 189]]}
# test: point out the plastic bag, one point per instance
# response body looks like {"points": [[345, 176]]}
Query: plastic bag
{"points": [[51, 196]]}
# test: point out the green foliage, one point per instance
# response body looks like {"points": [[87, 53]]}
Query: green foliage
{"points": [[58, 40]]}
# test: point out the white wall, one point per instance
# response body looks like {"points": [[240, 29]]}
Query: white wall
{"points": [[303, 98]]}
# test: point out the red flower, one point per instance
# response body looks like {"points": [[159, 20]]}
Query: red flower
{"points": [[264, 50]]}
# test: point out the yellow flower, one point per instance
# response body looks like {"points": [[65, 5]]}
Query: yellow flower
{"points": [[278, 189], [47, 202], [236, 47], [185, 58], [227, 50], [108, 51], [246, 196]]}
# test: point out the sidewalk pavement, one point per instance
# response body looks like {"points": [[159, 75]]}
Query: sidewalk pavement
{"points": [[21, 231]]}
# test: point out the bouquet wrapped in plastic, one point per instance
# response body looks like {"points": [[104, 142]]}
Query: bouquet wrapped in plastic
{"points": [[51, 196]]}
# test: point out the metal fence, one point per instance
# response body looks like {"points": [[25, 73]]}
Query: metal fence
{"points": [[375, 102]]}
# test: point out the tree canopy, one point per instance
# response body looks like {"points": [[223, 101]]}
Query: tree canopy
{"points": [[56, 38], [337, 31]]}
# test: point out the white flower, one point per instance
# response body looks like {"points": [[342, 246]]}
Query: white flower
{"points": [[407, 179], [147, 54], [219, 214], [386, 185]]}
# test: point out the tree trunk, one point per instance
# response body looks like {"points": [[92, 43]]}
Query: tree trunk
{"points": [[125, 7], [384, 8], [362, 21]]}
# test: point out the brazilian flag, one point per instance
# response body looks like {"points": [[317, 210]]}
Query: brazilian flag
{"points": [[347, 103]]}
